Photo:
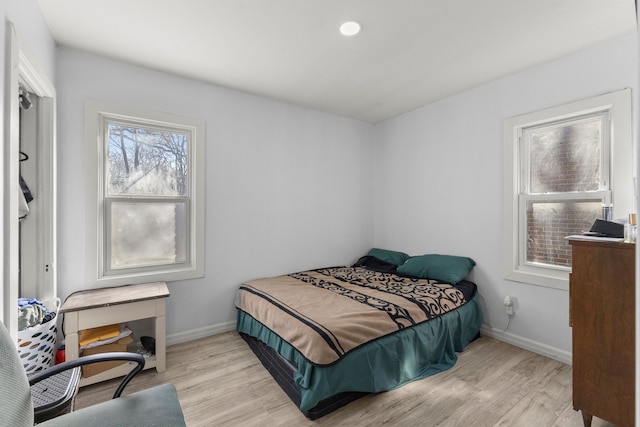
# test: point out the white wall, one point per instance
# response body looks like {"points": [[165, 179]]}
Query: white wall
{"points": [[34, 34], [287, 188], [439, 175], [5, 294]]}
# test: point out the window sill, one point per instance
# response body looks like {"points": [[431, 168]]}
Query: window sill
{"points": [[555, 279]]}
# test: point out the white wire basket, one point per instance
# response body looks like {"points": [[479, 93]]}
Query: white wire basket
{"points": [[37, 345]]}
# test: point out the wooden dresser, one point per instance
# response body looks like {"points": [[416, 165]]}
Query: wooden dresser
{"points": [[602, 315]]}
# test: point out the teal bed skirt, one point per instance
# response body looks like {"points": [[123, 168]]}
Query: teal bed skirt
{"points": [[381, 365]]}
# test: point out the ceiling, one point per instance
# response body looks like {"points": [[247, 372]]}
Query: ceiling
{"points": [[409, 53]]}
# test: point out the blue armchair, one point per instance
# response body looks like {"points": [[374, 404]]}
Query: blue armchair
{"points": [[156, 406]]}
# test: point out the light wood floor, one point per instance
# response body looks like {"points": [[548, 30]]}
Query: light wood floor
{"points": [[221, 383]]}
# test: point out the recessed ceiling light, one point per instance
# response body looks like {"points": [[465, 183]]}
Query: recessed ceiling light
{"points": [[350, 28]]}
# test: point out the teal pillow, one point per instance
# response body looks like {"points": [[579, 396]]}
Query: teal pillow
{"points": [[443, 268], [394, 257]]}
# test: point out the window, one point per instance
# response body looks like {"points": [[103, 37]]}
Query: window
{"points": [[562, 165], [145, 200]]}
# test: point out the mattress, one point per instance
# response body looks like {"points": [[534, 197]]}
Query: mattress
{"points": [[328, 313], [283, 373], [320, 381]]}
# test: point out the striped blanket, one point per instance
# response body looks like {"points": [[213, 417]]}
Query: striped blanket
{"points": [[328, 312]]}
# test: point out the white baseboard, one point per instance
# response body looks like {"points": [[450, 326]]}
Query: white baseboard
{"points": [[516, 340], [527, 344], [198, 333]]}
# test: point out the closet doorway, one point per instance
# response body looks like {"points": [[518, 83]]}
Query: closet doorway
{"points": [[29, 244], [34, 202]]}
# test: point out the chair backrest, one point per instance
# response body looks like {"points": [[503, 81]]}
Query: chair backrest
{"points": [[16, 407]]}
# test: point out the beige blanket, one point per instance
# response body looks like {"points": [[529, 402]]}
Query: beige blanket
{"points": [[328, 312]]}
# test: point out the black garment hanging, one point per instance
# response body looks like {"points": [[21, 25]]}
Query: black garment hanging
{"points": [[25, 190], [23, 185], [26, 196]]}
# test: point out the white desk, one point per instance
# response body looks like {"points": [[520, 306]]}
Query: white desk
{"points": [[108, 306]]}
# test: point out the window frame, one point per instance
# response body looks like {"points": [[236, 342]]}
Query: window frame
{"points": [[97, 116], [620, 186]]}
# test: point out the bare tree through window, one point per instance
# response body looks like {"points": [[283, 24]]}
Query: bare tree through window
{"points": [[146, 188]]}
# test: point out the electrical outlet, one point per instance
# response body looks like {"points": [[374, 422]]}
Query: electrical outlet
{"points": [[508, 305]]}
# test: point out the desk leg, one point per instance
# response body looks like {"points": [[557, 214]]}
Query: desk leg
{"points": [[71, 349], [71, 343], [161, 344]]}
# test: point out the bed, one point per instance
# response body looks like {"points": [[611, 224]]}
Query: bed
{"points": [[331, 335]]}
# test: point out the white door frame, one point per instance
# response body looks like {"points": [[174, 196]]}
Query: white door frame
{"points": [[21, 68]]}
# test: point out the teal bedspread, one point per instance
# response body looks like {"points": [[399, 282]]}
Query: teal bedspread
{"points": [[381, 365]]}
